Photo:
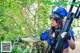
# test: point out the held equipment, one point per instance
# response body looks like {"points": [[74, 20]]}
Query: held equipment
{"points": [[60, 42]]}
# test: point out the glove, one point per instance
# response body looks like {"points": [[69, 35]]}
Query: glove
{"points": [[18, 40], [67, 37]]}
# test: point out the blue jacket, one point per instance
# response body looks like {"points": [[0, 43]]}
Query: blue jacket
{"points": [[43, 37]]}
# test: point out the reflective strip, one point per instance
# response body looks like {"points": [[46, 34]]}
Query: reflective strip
{"points": [[55, 9]]}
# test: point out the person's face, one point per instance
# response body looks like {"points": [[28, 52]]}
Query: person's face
{"points": [[54, 23]]}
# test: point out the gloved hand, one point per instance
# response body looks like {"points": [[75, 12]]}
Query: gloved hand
{"points": [[67, 36], [18, 40]]}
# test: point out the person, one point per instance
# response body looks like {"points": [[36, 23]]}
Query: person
{"points": [[57, 21]]}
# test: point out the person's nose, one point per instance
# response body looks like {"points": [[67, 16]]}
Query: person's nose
{"points": [[52, 20]]}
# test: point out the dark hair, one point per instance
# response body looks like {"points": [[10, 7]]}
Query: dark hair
{"points": [[52, 29]]}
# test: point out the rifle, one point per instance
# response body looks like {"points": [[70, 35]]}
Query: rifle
{"points": [[60, 43]]}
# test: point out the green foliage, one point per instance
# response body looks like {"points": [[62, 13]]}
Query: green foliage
{"points": [[24, 18], [76, 27]]}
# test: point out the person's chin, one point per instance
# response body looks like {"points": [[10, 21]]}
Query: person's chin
{"points": [[53, 25]]}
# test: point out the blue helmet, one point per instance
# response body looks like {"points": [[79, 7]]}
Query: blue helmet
{"points": [[58, 12]]}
